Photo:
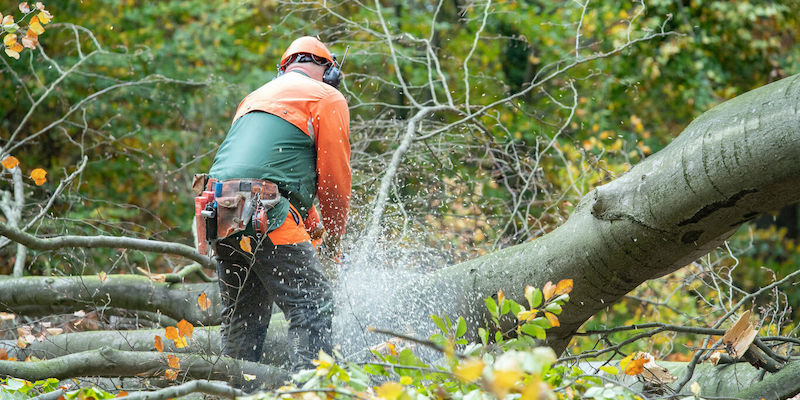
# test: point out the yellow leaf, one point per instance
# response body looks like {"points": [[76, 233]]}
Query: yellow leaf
{"points": [[504, 381], [531, 390], [548, 290], [469, 370], [203, 301], [527, 315], [389, 391], [171, 374], [564, 286], [552, 319], [10, 39], [35, 26], [500, 296], [610, 369], [11, 53], [625, 361], [10, 162], [159, 344], [39, 175], [406, 380], [44, 16], [171, 332], [248, 377], [173, 361], [185, 328], [244, 243], [180, 342], [8, 20]]}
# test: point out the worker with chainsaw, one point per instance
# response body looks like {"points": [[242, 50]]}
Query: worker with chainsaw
{"points": [[288, 144]]}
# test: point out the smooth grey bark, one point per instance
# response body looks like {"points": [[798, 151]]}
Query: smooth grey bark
{"points": [[42, 295], [110, 362], [730, 381], [734, 162], [205, 340]]}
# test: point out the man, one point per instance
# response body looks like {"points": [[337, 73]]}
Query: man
{"points": [[292, 133]]}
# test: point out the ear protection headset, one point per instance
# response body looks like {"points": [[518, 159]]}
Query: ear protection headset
{"points": [[332, 75]]}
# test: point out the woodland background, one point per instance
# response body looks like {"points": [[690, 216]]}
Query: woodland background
{"points": [[170, 75]]}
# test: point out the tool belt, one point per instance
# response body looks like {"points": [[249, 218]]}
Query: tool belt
{"points": [[224, 208]]}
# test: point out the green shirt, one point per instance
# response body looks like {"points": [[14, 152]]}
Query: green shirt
{"points": [[260, 145]]}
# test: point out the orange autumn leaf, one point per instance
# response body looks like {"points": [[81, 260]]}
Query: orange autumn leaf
{"points": [[636, 367], [159, 344], [173, 361], [564, 286], [500, 296], [244, 243], [121, 393], [552, 319], [3, 354], [185, 328], [203, 301], [39, 176], [10, 162], [548, 290], [171, 374], [171, 332]]}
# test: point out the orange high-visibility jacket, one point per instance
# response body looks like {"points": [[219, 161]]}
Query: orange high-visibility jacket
{"points": [[320, 111]]}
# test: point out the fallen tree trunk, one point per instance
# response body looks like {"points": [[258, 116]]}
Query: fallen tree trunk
{"points": [[204, 340], [110, 362], [51, 295], [734, 162]]}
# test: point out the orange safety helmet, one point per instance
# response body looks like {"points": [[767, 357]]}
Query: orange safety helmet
{"points": [[306, 44]]}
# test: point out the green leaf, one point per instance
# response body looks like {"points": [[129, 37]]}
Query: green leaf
{"points": [[554, 308], [461, 327], [498, 337], [534, 297], [514, 307], [439, 323], [534, 330], [505, 307], [484, 335], [491, 305]]}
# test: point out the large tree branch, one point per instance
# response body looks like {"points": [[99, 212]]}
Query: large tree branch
{"points": [[110, 362], [731, 164], [205, 340], [94, 242], [130, 292]]}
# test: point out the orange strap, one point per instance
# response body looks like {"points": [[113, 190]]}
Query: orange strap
{"points": [[290, 232]]}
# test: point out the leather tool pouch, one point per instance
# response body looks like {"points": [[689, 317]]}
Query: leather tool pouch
{"points": [[239, 200]]}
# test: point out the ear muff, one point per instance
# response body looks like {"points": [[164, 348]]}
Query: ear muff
{"points": [[333, 75]]}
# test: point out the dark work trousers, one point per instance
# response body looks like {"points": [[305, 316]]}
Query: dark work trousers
{"points": [[288, 275]]}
